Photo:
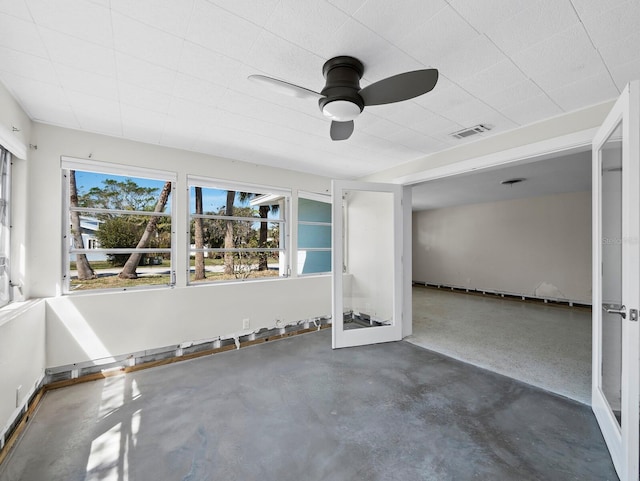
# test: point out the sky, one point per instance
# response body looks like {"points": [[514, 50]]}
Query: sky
{"points": [[212, 199]]}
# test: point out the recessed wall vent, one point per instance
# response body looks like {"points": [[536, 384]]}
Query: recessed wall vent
{"points": [[476, 129]]}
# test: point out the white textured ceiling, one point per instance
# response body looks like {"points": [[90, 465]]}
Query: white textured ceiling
{"points": [[174, 72], [552, 175]]}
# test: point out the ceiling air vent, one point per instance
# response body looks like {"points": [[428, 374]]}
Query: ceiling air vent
{"points": [[476, 129]]}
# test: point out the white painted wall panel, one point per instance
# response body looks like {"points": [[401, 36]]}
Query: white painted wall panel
{"points": [[96, 326], [534, 247], [15, 125], [22, 355]]}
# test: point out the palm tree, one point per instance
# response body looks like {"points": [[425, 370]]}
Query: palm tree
{"points": [[85, 271], [129, 269], [199, 237], [228, 237], [263, 211]]}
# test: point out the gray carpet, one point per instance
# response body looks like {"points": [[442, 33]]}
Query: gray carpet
{"points": [[296, 410], [543, 345]]}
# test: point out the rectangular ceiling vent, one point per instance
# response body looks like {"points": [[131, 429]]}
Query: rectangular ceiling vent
{"points": [[476, 129]]}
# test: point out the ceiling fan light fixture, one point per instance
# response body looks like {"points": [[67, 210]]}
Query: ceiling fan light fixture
{"points": [[342, 99], [341, 110], [511, 182]]}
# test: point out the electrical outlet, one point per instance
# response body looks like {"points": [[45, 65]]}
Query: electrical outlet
{"points": [[245, 324]]}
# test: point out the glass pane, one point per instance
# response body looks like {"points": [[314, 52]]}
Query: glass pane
{"points": [[109, 191], [220, 266], [313, 210], [206, 200], [103, 242], [313, 262], [368, 287], [152, 270], [611, 172], [212, 234], [310, 236], [118, 231]]}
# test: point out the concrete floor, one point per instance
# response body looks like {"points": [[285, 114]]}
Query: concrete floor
{"points": [[543, 345], [296, 410]]}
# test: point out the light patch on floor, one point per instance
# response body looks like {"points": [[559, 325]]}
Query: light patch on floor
{"points": [[542, 345], [110, 451]]}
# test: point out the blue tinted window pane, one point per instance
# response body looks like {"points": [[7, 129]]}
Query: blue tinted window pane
{"points": [[314, 236], [313, 211], [314, 262]]}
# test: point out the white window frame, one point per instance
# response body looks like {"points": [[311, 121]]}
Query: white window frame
{"points": [[86, 165], [285, 229], [5, 226], [326, 199]]}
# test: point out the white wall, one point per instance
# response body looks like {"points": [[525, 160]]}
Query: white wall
{"points": [[533, 247], [88, 326], [22, 339], [369, 253], [15, 125], [22, 355], [97, 326]]}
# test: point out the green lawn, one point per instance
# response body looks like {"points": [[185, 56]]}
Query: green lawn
{"points": [[114, 282], [97, 265]]}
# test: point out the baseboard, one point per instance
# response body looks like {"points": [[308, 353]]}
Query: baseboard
{"points": [[506, 295]]}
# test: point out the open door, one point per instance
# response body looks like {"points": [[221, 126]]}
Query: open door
{"points": [[367, 263], [616, 281]]}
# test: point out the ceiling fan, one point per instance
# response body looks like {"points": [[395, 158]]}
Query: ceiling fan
{"points": [[342, 99]]}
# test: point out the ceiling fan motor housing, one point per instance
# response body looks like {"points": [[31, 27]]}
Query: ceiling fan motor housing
{"points": [[341, 100]]}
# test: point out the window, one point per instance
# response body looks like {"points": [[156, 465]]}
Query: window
{"points": [[119, 229], [237, 231], [5, 226], [314, 234]]}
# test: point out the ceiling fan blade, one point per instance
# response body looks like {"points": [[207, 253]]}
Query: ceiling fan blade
{"points": [[285, 88], [341, 130], [400, 87]]}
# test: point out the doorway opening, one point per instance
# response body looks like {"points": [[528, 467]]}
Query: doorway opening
{"points": [[502, 269]]}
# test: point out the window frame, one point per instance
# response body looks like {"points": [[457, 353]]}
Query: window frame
{"points": [[133, 172], [6, 286], [284, 223], [316, 197]]}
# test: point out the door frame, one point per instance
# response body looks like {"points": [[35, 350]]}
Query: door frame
{"points": [[562, 145], [579, 141], [395, 332], [622, 441]]}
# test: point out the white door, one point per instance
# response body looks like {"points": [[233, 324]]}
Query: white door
{"points": [[367, 263], [616, 280]]}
